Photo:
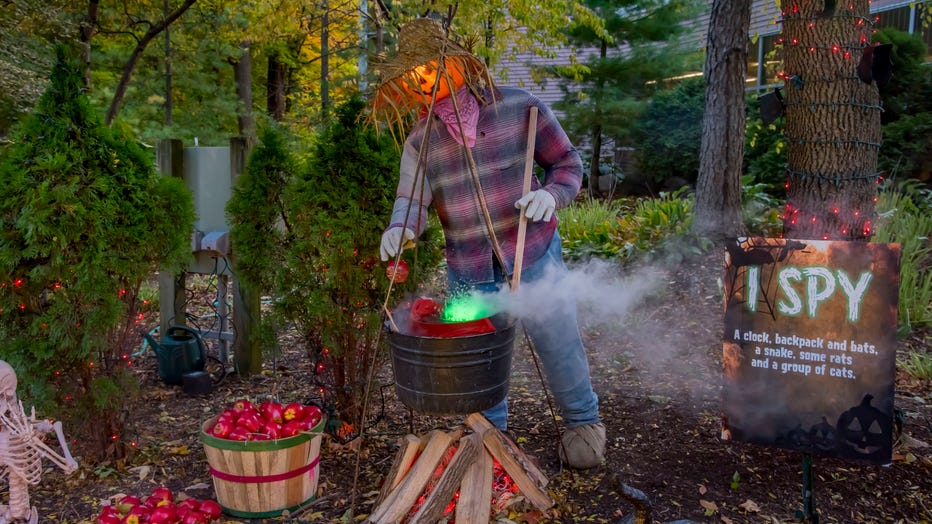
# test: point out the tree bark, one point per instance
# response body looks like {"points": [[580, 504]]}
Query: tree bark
{"points": [[130, 66], [242, 77], [718, 188], [88, 28], [276, 87], [325, 59], [832, 122]]}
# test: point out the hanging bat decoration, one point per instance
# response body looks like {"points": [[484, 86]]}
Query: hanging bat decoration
{"points": [[876, 64], [772, 106]]}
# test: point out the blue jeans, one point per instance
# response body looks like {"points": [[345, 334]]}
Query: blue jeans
{"points": [[556, 338]]}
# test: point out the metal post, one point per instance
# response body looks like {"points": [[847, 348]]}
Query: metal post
{"points": [[808, 514]]}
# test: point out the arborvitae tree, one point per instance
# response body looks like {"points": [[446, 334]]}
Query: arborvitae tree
{"points": [[313, 244], [85, 220]]}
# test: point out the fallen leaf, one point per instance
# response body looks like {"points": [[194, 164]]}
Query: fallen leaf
{"points": [[702, 489], [142, 471], [726, 520], [180, 450], [710, 507], [749, 505]]}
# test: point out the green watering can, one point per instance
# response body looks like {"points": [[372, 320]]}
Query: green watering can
{"points": [[181, 351]]}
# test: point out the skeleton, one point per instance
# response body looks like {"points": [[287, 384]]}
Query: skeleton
{"points": [[22, 450]]}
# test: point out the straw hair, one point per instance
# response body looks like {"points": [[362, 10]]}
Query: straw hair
{"points": [[421, 41]]}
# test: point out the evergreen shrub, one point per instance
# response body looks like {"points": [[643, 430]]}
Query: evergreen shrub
{"points": [[309, 233], [85, 221]]}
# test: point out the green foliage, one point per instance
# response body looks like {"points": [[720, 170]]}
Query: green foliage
{"points": [[760, 211], [661, 228], [310, 237], [589, 228], [764, 150], [906, 218], [85, 219], [918, 365], [907, 147], [653, 229], [669, 133]]}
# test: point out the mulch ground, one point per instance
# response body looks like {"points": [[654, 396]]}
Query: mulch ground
{"points": [[657, 370]]}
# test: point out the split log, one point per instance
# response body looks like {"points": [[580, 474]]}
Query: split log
{"points": [[476, 489], [399, 501], [409, 447], [530, 480], [442, 493]]}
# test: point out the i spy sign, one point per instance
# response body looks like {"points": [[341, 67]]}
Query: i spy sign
{"points": [[809, 345]]}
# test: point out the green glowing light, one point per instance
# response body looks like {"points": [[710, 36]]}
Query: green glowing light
{"points": [[464, 309]]}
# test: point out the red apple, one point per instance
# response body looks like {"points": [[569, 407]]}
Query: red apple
{"points": [[250, 421], [291, 428], [163, 493], [272, 429], [272, 411], [258, 436], [239, 433], [138, 514], [165, 514], [313, 415], [293, 411], [109, 518], [211, 509], [223, 428], [109, 515], [189, 504], [194, 517], [229, 415], [127, 503], [397, 273], [243, 405]]}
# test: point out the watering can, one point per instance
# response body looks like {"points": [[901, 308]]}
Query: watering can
{"points": [[181, 351]]}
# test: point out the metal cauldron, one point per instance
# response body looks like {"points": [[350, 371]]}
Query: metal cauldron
{"points": [[453, 375]]}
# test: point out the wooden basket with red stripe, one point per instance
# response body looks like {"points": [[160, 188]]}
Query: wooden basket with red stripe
{"points": [[263, 478]]}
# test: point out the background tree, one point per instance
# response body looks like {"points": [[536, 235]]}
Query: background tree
{"points": [[718, 189], [84, 220], [643, 44], [832, 120]]}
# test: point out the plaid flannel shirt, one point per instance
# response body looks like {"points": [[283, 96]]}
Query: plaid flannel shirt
{"points": [[499, 153]]}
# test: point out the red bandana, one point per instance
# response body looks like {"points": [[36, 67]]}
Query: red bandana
{"points": [[469, 113]]}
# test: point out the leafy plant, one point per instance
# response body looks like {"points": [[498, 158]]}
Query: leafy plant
{"points": [[85, 220], [589, 228], [905, 218], [918, 365], [660, 228]]}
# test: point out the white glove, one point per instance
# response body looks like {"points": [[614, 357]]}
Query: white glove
{"points": [[393, 240], [537, 205]]}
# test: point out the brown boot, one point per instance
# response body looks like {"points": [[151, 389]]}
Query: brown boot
{"points": [[583, 447]]}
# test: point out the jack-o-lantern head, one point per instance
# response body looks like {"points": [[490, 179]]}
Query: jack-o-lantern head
{"points": [[427, 56], [421, 80]]}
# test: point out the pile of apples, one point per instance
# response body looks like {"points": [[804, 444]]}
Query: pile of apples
{"points": [[160, 508], [268, 421]]}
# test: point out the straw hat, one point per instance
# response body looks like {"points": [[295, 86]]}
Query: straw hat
{"points": [[420, 42]]}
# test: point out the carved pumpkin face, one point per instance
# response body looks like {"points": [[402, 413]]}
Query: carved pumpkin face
{"points": [[425, 76]]}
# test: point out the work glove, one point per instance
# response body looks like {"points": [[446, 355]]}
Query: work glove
{"points": [[394, 240], [537, 205]]}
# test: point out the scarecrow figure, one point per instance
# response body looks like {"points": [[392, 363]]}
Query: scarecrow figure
{"points": [[22, 450], [466, 156]]}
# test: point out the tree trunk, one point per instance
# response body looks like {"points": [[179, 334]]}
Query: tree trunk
{"points": [[88, 28], [276, 88], [242, 77], [324, 59], [594, 171], [718, 188], [832, 122], [130, 66]]}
